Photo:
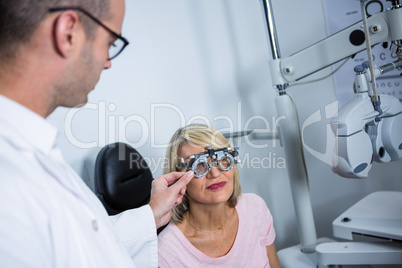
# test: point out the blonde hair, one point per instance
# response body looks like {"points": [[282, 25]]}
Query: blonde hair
{"points": [[201, 135]]}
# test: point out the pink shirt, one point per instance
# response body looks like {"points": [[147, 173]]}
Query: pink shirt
{"points": [[254, 234]]}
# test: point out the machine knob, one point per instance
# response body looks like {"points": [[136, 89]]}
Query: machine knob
{"points": [[359, 69], [366, 64]]}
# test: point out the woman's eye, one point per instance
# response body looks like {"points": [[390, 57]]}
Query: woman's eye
{"points": [[201, 168], [225, 163]]}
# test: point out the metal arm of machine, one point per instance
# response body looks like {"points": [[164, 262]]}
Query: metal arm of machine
{"points": [[385, 26], [363, 131], [290, 137]]}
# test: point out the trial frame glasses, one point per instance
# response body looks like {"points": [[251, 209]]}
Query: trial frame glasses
{"points": [[224, 159]]}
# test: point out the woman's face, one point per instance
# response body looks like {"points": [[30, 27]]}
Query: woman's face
{"points": [[213, 188]]}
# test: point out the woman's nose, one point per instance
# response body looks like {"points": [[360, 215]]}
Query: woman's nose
{"points": [[213, 172]]}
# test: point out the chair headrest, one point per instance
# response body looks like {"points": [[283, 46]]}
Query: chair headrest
{"points": [[122, 178]]}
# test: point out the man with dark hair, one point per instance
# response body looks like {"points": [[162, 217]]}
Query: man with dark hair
{"points": [[51, 54], [20, 18]]}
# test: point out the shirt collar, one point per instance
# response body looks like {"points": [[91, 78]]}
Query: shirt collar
{"points": [[35, 130]]}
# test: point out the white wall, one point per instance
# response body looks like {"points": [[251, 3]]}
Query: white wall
{"points": [[208, 60]]}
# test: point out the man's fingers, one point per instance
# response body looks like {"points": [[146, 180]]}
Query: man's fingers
{"points": [[172, 177], [183, 190], [178, 200], [177, 181], [183, 181]]}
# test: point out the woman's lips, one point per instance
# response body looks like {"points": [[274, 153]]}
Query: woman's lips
{"points": [[217, 186]]}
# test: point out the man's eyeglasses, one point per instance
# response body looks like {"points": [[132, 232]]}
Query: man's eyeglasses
{"points": [[117, 47]]}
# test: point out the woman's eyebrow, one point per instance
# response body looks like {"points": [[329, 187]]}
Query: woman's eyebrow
{"points": [[184, 157]]}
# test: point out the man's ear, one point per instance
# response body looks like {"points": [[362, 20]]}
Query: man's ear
{"points": [[66, 28]]}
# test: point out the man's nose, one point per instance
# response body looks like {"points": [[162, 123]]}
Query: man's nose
{"points": [[108, 65]]}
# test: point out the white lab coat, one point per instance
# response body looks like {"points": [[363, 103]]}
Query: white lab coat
{"points": [[49, 218]]}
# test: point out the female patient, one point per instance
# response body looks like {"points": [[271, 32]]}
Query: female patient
{"points": [[215, 226]]}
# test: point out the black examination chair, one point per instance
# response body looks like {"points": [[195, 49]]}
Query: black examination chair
{"points": [[122, 178]]}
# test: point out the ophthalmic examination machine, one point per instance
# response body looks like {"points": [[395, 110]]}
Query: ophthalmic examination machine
{"points": [[368, 128]]}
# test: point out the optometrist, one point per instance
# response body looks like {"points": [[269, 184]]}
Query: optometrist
{"points": [[51, 54]]}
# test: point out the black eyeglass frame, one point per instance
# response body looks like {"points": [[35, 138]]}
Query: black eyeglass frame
{"points": [[118, 36]]}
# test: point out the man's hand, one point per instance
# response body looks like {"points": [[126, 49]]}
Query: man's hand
{"points": [[167, 191]]}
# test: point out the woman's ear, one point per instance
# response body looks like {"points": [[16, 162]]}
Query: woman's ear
{"points": [[66, 28]]}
